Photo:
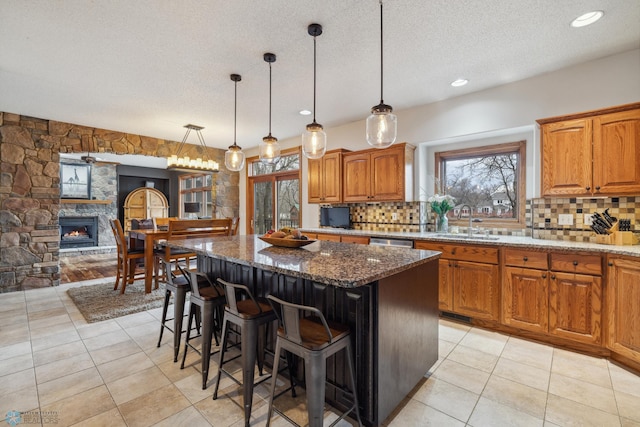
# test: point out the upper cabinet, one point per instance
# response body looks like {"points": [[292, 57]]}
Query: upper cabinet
{"points": [[378, 175], [592, 153], [325, 178]]}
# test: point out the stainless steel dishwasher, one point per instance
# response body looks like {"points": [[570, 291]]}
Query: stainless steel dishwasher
{"points": [[377, 241]]}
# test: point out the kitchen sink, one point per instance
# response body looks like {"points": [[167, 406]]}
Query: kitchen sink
{"points": [[467, 237]]}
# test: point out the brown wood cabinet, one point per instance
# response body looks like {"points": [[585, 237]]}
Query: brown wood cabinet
{"points": [[623, 307], [575, 297], [325, 178], [525, 290], [469, 279], [363, 240], [565, 300], [144, 203], [596, 152], [378, 175]]}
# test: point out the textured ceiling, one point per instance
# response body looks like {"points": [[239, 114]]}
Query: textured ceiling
{"points": [[150, 67]]}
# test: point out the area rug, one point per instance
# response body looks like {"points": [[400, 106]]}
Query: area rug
{"points": [[100, 302]]}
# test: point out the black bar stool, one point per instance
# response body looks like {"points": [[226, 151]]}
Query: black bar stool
{"points": [[249, 315], [314, 340], [208, 298], [179, 286]]}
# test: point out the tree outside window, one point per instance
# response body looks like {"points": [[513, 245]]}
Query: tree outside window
{"points": [[488, 179]]}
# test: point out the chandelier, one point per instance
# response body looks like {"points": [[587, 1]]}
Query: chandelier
{"points": [[185, 163]]}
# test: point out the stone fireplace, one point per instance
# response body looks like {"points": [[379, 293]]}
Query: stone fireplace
{"points": [[78, 231]]}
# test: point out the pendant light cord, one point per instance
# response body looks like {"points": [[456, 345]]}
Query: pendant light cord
{"points": [[235, 110], [381, 58], [269, 98], [314, 79]]}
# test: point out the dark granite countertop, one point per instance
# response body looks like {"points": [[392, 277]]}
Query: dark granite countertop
{"points": [[338, 264], [516, 241]]}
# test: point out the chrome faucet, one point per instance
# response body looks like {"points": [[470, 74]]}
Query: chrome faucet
{"points": [[470, 229]]}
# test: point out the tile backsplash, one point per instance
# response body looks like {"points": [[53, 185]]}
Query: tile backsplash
{"points": [[541, 217], [545, 214]]}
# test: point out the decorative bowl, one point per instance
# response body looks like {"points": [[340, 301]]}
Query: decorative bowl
{"points": [[285, 243]]}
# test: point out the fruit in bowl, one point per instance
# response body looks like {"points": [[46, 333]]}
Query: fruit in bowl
{"points": [[286, 233]]}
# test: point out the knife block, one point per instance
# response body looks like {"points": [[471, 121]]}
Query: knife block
{"points": [[621, 238]]}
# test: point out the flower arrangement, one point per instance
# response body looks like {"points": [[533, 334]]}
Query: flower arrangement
{"points": [[441, 204]]}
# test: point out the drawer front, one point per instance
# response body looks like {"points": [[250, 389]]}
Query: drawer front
{"points": [[461, 252], [329, 237], [577, 263], [526, 258], [362, 240]]}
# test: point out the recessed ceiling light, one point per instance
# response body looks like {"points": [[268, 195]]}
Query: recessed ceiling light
{"points": [[459, 82], [587, 19], [305, 112]]}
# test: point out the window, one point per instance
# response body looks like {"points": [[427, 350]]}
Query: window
{"points": [[488, 179], [197, 188], [274, 193]]}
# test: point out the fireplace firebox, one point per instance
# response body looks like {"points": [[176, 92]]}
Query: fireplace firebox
{"points": [[78, 231]]}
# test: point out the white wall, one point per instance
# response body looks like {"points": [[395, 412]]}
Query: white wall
{"points": [[504, 112]]}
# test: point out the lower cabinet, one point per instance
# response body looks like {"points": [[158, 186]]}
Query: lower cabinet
{"points": [[469, 279], [575, 307], [623, 307], [526, 298], [556, 294]]}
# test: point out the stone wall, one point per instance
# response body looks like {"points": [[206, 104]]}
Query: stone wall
{"points": [[30, 189]]}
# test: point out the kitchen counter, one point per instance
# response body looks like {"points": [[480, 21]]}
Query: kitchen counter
{"points": [[387, 296], [526, 242], [325, 262]]}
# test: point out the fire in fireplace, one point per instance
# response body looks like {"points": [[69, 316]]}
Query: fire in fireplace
{"points": [[78, 231]]}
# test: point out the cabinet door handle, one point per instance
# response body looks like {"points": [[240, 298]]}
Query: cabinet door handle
{"points": [[525, 259], [597, 188], [588, 188], [553, 277], [575, 263], [610, 264], [544, 275]]}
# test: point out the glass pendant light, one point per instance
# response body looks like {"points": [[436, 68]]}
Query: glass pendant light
{"points": [[314, 140], [269, 147], [382, 124], [234, 157]]}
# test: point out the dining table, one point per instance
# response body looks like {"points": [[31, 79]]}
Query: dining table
{"points": [[150, 237]]}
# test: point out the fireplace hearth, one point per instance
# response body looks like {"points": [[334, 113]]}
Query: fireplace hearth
{"points": [[78, 231]]}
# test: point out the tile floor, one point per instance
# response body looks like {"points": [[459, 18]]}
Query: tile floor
{"points": [[111, 374]]}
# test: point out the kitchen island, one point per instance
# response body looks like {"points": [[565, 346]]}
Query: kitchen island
{"points": [[388, 297]]}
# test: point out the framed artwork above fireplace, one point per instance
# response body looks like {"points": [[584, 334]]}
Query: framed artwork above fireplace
{"points": [[75, 181]]}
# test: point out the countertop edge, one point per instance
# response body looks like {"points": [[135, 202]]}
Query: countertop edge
{"points": [[429, 256], [519, 241]]}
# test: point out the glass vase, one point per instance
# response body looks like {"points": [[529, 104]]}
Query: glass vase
{"points": [[442, 223]]}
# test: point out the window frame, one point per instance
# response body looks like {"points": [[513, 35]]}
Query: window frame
{"points": [[519, 147], [274, 178], [182, 192]]}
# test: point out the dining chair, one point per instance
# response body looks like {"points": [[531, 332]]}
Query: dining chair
{"points": [[235, 223], [188, 229], [127, 259], [163, 222]]}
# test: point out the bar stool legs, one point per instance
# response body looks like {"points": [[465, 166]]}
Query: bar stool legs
{"points": [[179, 286], [250, 315], [207, 298], [315, 341]]}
